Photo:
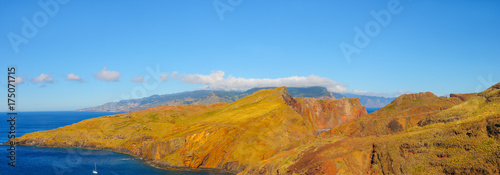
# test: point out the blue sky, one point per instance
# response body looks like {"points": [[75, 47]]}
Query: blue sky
{"points": [[442, 47]]}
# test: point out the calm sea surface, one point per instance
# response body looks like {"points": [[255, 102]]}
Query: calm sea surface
{"points": [[38, 160], [370, 110]]}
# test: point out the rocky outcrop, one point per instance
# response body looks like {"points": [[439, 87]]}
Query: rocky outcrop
{"points": [[402, 113], [490, 95], [463, 97]]}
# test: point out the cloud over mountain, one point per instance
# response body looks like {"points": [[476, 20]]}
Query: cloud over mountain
{"points": [[217, 81]]}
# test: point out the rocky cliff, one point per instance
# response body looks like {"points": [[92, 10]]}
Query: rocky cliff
{"points": [[328, 114]]}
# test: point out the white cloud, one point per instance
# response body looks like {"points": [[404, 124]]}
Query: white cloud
{"points": [[18, 80], [138, 79], [73, 77], [217, 81], [401, 92], [174, 74], [106, 75], [164, 77], [43, 78]]}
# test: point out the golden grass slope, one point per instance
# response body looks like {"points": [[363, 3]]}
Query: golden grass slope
{"points": [[461, 140]]}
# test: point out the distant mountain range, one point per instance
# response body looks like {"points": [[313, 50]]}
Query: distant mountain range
{"points": [[212, 96], [367, 101]]}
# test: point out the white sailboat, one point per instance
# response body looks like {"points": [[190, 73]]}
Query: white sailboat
{"points": [[95, 169]]}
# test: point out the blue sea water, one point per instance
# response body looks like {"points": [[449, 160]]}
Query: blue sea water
{"points": [[43, 160], [370, 110]]}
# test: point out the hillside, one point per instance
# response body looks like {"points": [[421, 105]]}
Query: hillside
{"points": [[462, 139], [211, 97], [402, 113], [223, 136]]}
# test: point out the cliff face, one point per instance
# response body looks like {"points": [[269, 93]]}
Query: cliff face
{"points": [[223, 136], [328, 114]]}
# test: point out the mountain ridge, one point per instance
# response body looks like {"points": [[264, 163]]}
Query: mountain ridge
{"points": [[213, 96]]}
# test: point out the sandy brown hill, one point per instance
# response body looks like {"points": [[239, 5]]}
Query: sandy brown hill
{"points": [[460, 140], [402, 113]]}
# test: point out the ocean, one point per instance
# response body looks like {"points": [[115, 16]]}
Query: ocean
{"points": [[58, 161], [370, 110]]}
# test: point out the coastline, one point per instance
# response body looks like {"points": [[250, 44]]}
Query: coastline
{"points": [[148, 162]]}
